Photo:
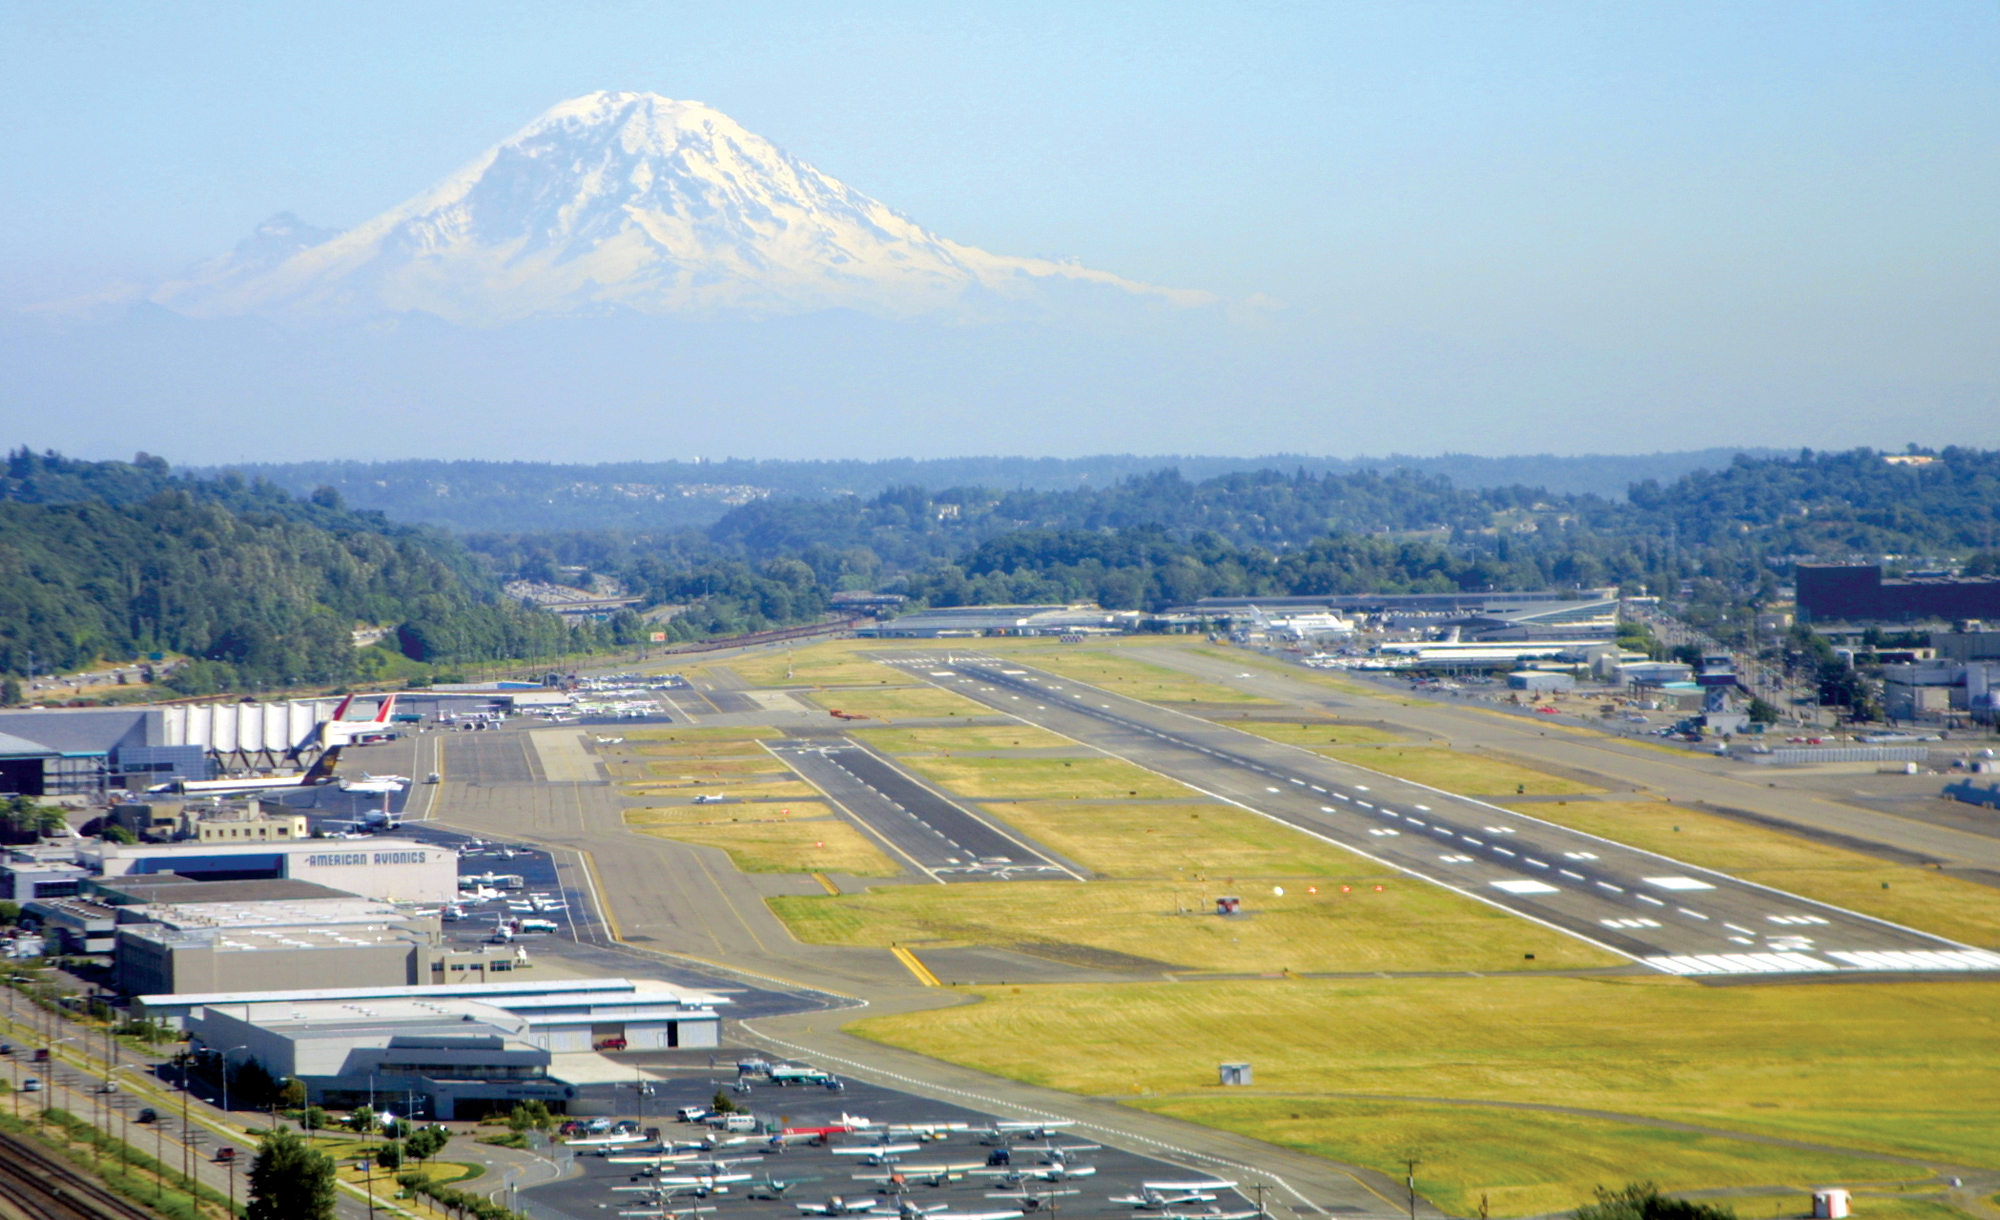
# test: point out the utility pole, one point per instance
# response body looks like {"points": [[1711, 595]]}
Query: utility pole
{"points": [[1411, 1181]]}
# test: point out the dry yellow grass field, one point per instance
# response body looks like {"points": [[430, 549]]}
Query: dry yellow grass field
{"points": [[1172, 842], [1030, 778], [669, 792], [898, 702], [816, 845], [716, 815], [1917, 897], [1523, 1163], [1905, 1068], [1122, 672], [1467, 772], [1318, 736], [690, 737], [1407, 925], [834, 663], [970, 737]]}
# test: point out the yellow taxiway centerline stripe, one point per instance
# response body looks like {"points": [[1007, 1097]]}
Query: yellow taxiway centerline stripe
{"points": [[917, 968]]}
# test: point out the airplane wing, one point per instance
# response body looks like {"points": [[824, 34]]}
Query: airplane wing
{"points": [[1014, 1214], [1176, 1187]]}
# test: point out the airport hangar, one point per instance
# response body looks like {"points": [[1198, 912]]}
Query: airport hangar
{"points": [[453, 1051], [388, 869]]}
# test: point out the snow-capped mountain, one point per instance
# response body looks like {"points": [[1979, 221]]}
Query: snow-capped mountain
{"points": [[631, 201]]}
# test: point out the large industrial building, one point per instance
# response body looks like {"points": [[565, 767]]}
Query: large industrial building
{"points": [[452, 1051], [1534, 616], [1856, 594], [388, 869]]}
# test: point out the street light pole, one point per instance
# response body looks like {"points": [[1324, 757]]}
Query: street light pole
{"points": [[225, 1077]]}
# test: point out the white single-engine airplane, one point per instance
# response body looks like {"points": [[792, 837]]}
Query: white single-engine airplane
{"points": [[836, 1206]]}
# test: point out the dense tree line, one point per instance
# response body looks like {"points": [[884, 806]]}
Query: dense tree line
{"points": [[113, 560]]}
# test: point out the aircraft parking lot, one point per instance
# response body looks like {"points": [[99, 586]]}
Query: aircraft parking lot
{"points": [[910, 1152]]}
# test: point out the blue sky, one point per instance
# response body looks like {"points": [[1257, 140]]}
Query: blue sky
{"points": [[1786, 204]]}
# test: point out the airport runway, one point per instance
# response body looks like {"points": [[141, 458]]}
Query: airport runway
{"points": [[1675, 917], [944, 840]]}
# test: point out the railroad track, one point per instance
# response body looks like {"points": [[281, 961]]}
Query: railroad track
{"points": [[36, 1185]]}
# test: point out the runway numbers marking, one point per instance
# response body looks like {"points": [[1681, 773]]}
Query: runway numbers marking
{"points": [[1524, 887]]}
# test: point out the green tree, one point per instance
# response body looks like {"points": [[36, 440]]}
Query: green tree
{"points": [[114, 833], [293, 1093], [361, 1119], [314, 1119], [1762, 711], [722, 1103], [390, 1155], [290, 1181], [530, 1115], [427, 1142], [10, 691], [10, 914]]}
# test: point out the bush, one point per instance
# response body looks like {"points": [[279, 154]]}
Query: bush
{"points": [[1643, 1201]]}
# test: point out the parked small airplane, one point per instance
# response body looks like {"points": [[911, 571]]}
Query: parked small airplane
{"points": [[1153, 1196], [1031, 1200], [942, 1211], [836, 1206], [376, 784]]}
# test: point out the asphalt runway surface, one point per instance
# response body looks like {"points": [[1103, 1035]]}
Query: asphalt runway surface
{"points": [[1674, 917], [943, 839], [812, 1174]]}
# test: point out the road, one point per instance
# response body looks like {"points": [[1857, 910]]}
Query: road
{"points": [[1675, 917]]}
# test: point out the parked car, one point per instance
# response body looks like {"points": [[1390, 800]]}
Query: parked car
{"points": [[148, 1115], [31, 1085], [225, 1154]]}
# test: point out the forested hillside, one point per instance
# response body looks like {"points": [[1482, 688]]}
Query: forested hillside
{"points": [[112, 560], [667, 496], [1731, 536]]}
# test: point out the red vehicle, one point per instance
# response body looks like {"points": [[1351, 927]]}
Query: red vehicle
{"points": [[612, 1044], [225, 1154]]}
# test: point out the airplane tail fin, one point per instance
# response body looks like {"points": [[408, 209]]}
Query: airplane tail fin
{"points": [[322, 768], [340, 713], [382, 713]]}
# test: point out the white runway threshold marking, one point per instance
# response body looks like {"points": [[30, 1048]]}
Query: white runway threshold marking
{"points": [[1802, 963], [1524, 887]]}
